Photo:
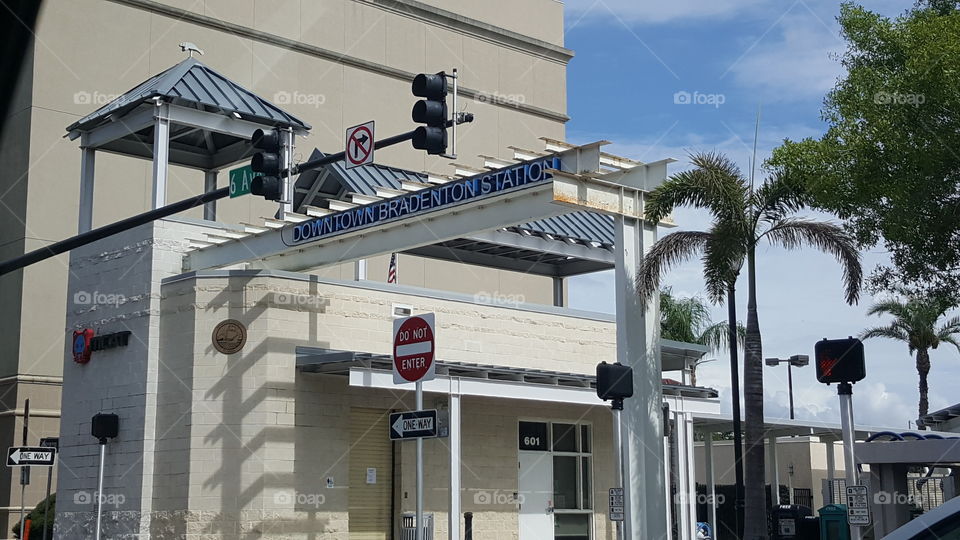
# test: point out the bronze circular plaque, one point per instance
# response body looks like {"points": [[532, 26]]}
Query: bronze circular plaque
{"points": [[229, 336]]}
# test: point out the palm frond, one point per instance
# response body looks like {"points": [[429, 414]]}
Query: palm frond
{"points": [[890, 332], [715, 183], [670, 250], [894, 307], [723, 257], [717, 336], [792, 233], [951, 340], [780, 196], [682, 318]]}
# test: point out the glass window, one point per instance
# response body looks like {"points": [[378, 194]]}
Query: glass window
{"points": [[564, 438], [533, 436], [585, 439], [565, 475], [572, 526], [585, 483]]}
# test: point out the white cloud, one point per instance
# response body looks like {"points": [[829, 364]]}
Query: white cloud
{"points": [[792, 60]]}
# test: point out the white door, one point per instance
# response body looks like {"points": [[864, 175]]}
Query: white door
{"points": [[535, 496]]}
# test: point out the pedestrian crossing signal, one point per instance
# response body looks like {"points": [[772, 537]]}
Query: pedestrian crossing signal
{"points": [[840, 360]]}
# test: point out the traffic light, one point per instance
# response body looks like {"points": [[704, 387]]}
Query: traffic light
{"points": [[614, 381], [431, 111], [268, 163], [840, 360]]}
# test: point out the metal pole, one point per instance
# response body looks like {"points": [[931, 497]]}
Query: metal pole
{"points": [[103, 452], [46, 500], [618, 457], [419, 524], [23, 485], [790, 386], [845, 391]]}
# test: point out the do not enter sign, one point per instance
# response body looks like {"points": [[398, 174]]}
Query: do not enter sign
{"points": [[413, 349]]}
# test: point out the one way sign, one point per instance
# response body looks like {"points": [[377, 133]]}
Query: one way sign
{"points": [[18, 456], [413, 424]]}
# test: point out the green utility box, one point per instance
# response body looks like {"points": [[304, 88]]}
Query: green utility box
{"points": [[833, 522]]}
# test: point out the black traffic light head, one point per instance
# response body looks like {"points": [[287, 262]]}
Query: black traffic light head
{"points": [[430, 85], [267, 161], [105, 426], [268, 187], [614, 381], [840, 360], [431, 111]]}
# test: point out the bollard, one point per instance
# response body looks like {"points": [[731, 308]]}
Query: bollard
{"points": [[468, 525]]}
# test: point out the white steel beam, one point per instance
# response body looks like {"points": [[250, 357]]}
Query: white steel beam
{"points": [[161, 155], [87, 172], [140, 119], [528, 202]]}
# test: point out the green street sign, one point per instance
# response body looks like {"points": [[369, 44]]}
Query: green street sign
{"points": [[240, 180]]}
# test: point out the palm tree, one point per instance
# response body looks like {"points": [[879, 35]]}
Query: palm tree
{"points": [[742, 216], [915, 323], [688, 320]]}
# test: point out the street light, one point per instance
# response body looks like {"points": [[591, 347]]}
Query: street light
{"points": [[798, 360]]}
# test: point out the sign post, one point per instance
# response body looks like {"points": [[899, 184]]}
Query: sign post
{"points": [[413, 349], [48, 442]]}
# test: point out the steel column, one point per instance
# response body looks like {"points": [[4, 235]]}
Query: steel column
{"points": [[161, 155], [455, 444], [87, 167], [210, 184], [642, 419]]}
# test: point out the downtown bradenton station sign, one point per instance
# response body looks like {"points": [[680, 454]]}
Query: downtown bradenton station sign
{"points": [[450, 194]]}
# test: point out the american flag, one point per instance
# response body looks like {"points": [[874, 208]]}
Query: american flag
{"points": [[392, 271]]}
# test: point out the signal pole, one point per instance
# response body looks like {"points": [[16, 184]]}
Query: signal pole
{"points": [[845, 392]]}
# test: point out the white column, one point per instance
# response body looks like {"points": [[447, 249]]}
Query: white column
{"points": [[711, 483], [691, 462], [161, 154], [683, 492], [831, 471], [286, 206], [87, 167], [360, 270], [454, 441], [210, 184], [773, 473], [642, 422]]}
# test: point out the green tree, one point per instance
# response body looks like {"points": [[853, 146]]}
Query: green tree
{"points": [[915, 323], [889, 163], [688, 320], [742, 216]]}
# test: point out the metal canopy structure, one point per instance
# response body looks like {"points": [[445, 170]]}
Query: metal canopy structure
{"points": [[192, 92], [561, 246], [337, 362], [188, 115], [945, 418]]}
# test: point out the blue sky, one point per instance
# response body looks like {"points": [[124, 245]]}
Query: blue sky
{"points": [[662, 79]]}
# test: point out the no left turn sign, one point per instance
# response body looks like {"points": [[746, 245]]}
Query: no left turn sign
{"points": [[359, 147], [413, 349]]}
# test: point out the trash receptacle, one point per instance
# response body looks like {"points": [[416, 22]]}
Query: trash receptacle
{"points": [[787, 521], [833, 522], [408, 529]]}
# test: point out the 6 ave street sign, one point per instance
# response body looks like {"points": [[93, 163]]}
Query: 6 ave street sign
{"points": [[413, 424], [18, 456], [240, 179]]}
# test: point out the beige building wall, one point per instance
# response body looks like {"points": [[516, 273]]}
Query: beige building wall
{"points": [[333, 63]]}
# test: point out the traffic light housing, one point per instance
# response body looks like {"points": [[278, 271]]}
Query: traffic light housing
{"points": [[840, 360], [432, 111], [614, 381], [267, 162]]}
